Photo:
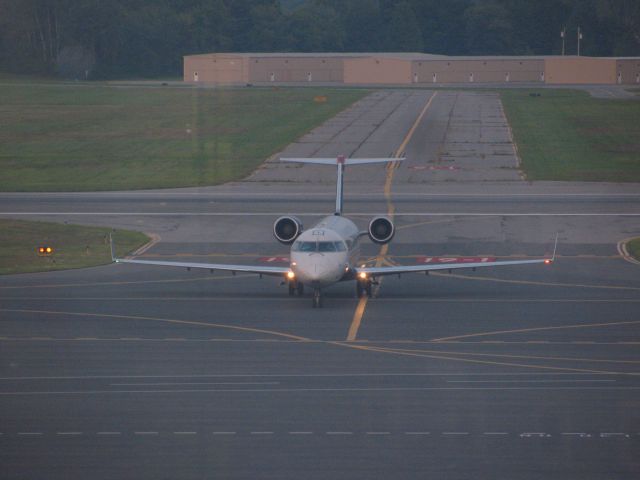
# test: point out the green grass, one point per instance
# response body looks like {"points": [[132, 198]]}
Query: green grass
{"points": [[74, 246], [633, 247], [568, 135], [95, 137]]}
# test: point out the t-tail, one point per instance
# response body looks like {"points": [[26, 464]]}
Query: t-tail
{"points": [[341, 162]]}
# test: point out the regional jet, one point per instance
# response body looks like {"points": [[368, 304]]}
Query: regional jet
{"points": [[329, 252]]}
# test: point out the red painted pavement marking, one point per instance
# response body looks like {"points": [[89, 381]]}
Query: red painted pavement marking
{"points": [[455, 259], [274, 259], [434, 167]]}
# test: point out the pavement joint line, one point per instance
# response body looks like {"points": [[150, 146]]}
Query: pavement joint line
{"points": [[69, 433], [301, 433], [185, 433], [145, 433], [495, 433], [338, 433], [417, 433], [261, 433], [30, 433], [378, 433], [108, 433], [223, 433], [455, 433]]}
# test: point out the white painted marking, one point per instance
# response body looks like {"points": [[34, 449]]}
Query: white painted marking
{"points": [[191, 383], [316, 214], [528, 381], [534, 434], [30, 433], [613, 434], [324, 390], [576, 434]]}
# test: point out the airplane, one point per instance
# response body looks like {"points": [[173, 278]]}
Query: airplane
{"points": [[328, 252]]}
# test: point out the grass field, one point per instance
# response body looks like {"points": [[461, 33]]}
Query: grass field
{"points": [[74, 246], [633, 247], [568, 135], [86, 137]]}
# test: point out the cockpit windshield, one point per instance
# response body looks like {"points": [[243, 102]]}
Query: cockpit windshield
{"points": [[319, 247]]}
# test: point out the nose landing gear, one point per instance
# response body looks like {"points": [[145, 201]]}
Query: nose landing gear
{"points": [[317, 298]]}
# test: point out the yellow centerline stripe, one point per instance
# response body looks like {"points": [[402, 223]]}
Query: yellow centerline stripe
{"points": [[157, 319], [362, 303], [535, 329]]}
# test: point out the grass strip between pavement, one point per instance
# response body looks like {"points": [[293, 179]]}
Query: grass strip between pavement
{"points": [[89, 137], [74, 246], [570, 136], [633, 247]]}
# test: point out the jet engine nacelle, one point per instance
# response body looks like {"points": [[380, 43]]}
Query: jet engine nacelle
{"points": [[287, 229], [381, 230]]}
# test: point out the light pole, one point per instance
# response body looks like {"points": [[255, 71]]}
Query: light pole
{"points": [[579, 38], [562, 32]]}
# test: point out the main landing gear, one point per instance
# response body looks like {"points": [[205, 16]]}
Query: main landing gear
{"points": [[363, 287], [295, 286]]}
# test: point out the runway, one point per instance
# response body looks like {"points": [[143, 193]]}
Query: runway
{"points": [[135, 372]]}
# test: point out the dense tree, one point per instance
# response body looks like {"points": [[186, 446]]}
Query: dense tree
{"points": [[149, 37]]}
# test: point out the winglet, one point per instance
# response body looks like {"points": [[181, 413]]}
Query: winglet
{"points": [[113, 250]]}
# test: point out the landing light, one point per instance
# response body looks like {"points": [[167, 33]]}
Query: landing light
{"points": [[362, 275], [290, 275]]}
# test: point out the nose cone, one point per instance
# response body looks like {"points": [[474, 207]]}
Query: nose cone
{"points": [[317, 269]]}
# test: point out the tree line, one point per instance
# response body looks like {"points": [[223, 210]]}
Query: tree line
{"points": [[115, 38]]}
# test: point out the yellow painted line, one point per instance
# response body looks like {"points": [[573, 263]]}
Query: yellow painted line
{"points": [[536, 329], [531, 282], [483, 362], [624, 253], [163, 320], [135, 282], [526, 357], [362, 303]]}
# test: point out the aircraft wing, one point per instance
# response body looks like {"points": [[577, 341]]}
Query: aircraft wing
{"points": [[259, 269], [394, 270]]}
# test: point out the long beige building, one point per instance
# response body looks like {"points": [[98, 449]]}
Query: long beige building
{"points": [[405, 68]]}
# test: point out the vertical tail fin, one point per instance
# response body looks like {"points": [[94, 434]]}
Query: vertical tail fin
{"points": [[341, 162]]}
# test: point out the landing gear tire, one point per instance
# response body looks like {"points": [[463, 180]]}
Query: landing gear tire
{"points": [[317, 298], [363, 288]]}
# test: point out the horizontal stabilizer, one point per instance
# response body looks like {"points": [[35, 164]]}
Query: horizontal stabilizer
{"points": [[343, 161]]}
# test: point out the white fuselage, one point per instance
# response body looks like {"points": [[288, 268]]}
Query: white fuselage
{"points": [[324, 254]]}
